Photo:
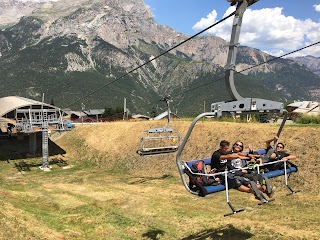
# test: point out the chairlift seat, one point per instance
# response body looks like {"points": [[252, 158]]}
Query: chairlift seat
{"points": [[220, 187], [157, 141], [159, 130], [157, 151]]}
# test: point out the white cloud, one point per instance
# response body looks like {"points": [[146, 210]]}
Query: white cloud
{"points": [[268, 29], [206, 22], [275, 53], [317, 7]]}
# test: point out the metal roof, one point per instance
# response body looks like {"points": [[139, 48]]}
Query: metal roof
{"points": [[307, 107], [8, 104], [297, 104], [140, 116], [164, 114], [94, 111], [78, 113]]}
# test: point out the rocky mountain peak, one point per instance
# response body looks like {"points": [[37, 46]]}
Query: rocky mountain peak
{"points": [[12, 10], [91, 42], [311, 62]]}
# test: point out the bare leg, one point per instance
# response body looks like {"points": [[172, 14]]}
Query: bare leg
{"points": [[246, 189]]}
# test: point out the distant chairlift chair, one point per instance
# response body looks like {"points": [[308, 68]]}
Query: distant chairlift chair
{"points": [[162, 140]]}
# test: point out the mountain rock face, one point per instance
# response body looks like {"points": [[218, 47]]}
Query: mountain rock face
{"points": [[12, 10], [311, 62], [90, 51]]}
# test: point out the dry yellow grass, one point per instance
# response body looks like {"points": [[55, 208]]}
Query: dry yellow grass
{"points": [[117, 142], [145, 199]]}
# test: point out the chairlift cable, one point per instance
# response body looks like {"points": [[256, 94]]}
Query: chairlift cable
{"points": [[275, 58], [270, 60], [259, 64]]}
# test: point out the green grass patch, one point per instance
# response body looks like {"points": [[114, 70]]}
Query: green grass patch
{"points": [[307, 119]]}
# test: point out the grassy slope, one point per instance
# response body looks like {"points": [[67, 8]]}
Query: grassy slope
{"points": [[112, 193]]}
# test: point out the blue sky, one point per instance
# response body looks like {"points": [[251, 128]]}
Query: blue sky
{"points": [[275, 26]]}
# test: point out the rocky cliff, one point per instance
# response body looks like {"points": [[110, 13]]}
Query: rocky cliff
{"points": [[67, 49], [311, 62]]}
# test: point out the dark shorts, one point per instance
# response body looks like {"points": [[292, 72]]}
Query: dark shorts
{"points": [[233, 181], [257, 178]]}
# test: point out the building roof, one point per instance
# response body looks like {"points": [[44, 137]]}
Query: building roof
{"points": [[297, 104], [315, 111], [8, 104], [140, 116], [307, 107], [94, 111], [164, 114], [78, 113]]}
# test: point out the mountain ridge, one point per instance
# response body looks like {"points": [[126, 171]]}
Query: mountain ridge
{"points": [[103, 40], [311, 62]]}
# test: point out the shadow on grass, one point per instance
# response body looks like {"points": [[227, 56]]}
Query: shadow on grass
{"points": [[228, 232], [24, 166], [149, 179], [14, 149], [153, 234]]}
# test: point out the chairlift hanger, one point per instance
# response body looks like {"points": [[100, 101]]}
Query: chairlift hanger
{"points": [[237, 105]]}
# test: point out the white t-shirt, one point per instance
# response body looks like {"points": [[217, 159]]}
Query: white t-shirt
{"points": [[236, 163]]}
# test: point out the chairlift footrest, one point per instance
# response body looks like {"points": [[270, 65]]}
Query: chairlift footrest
{"points": [[263, 201], [234, 212], [293, 192]]}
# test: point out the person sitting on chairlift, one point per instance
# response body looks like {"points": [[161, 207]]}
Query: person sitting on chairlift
{"points": [[275, 155], [219, 162], [280, 154], [263, 183]]}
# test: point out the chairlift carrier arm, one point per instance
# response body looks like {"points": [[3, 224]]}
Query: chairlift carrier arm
{"points": [[232, 53], [240, 104]]}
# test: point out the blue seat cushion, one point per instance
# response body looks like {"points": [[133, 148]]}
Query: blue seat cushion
{"points": [[276, 173], [220, 187], [213, 189]]}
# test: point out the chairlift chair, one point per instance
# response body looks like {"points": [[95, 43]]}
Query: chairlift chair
{"points": [[163, 140], [238, 105]]}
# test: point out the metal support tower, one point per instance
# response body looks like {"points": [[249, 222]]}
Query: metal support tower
{"points": [[168, 99], [45, 139], [31, 121]]}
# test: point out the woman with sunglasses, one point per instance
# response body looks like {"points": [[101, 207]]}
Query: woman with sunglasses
{"points": [[263, 183]]}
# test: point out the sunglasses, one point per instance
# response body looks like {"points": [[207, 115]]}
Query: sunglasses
{"points": [[279, 147], [238, 145]]}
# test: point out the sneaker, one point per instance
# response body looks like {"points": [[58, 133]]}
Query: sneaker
{"points": [[270, 195]]}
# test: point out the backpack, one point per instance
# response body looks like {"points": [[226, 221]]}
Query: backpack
{"points": [[200, 167]]}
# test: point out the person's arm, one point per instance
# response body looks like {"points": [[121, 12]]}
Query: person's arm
{"points": [[250, 149], [288, 157], [232, 156], [248, 156], [273, 156], [268, 142]]}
